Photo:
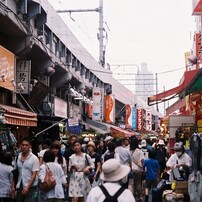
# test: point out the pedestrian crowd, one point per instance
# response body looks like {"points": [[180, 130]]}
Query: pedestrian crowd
{"points": [[110, 169]]}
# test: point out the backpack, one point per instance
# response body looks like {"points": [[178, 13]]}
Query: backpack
{"points": [[109, 198], [49, 181], [109, 156]]}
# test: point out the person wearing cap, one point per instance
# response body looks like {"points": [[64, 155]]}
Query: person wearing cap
{"points": [[144, 148], [113, 175], [96, 158], [179, 158], [161, 155], [108, 139]]}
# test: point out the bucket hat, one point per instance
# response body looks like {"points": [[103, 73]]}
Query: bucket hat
{"points": [[113, 171]]}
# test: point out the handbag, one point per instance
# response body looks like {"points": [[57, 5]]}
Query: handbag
{"points": [[49, 181], [15, 172]]}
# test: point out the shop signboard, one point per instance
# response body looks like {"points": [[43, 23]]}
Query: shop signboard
{"points": [[7, 72], [23, 75], [128, 116], [73, 126], [98, 99], [148, 119], [139, 119], [60, 108], [109, 109], [134, 118]]}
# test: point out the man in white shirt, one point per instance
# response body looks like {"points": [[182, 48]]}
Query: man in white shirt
{"points": [[179, 159], [113, 174], [28, 167]]}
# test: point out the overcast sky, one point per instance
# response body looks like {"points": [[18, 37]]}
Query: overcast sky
{"points": [[157, 32]]}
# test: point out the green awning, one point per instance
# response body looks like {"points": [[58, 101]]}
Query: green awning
{"points": [[195, 85]]}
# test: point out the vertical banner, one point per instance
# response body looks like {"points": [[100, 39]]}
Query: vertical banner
{"points": [[198, 47], [139, 119], [109, 108], [98, 99], [134, 118], [148, 119], [128, 116], [7, 71]]}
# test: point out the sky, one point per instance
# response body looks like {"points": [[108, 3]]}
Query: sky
{"points": [[156, 32]]}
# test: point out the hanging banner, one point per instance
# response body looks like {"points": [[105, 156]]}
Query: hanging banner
{"points": [[109, 109], [134, 118], [128, 116], [60, 107], [139, 119], [148, 119], [98, 102]]}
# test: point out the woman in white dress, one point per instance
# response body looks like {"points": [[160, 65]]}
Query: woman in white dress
{"points": [[80, 165]]}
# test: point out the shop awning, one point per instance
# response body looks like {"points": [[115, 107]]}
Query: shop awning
{"points": [[172, 93], [195, 85], [118, 132], [20, 117]]}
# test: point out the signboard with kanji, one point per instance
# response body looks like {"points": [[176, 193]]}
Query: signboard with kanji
{"points": [[23, 73]]}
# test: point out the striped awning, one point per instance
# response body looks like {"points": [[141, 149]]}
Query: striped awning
{"points": [[20, 117]]}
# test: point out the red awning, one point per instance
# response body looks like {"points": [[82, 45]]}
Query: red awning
{"points": [[169, 94], [118, 132], [20, 117]]}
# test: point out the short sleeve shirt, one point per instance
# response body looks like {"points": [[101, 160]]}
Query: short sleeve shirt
{"points": [[152, 168], [31, 164]]}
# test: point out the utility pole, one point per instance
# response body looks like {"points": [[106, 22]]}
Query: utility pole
{"points": [[101, 28]]}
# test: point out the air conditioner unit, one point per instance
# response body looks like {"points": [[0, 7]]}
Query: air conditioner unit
{"points": [[63, 59]]}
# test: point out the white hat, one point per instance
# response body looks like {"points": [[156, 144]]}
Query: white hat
{"points": [[108, 138], [113, 171], [143, 143], [161, 142], [86, 139]]}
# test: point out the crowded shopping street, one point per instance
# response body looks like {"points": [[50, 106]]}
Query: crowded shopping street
{"points": [[100, 101]]}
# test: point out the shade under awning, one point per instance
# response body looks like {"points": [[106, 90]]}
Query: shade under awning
{"points": [[20, 117], [118, 132]]}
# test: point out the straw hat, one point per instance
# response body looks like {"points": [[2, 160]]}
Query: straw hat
{"points": [[91, 143], [113, 171]]}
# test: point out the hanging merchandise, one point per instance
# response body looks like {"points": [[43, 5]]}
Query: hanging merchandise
{"points": [[7, 140], [196, 149], [11, 138]]}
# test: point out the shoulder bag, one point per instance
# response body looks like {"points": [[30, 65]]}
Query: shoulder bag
{"points": [[49, 181]]}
